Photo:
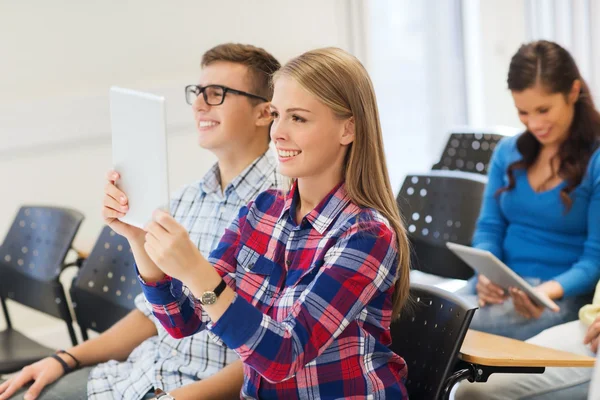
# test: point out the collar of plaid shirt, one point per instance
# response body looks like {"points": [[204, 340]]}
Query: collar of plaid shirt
{"points": [[324, 213], [245, 183]]}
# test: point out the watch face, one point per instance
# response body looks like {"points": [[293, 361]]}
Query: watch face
{"points": [[208, 298]]}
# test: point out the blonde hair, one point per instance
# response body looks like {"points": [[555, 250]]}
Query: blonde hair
{"points": [[341, 82]]}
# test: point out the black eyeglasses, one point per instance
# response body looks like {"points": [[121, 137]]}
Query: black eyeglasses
{"points": [[214, 95]]}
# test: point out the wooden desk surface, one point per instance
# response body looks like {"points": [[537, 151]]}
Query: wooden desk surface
{"points": [[492, 350]]}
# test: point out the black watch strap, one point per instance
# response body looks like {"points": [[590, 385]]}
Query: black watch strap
{"points": [[220, 287]]}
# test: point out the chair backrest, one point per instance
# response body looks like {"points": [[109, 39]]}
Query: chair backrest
{"points": [[469, 152], [440, 207], [429, 336], [32, 257], [105, 288]]}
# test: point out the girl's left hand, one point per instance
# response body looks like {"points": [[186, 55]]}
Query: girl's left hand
{"points": [[168, 244]]}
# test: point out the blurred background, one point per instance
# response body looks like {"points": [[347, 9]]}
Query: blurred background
{"points": [[438, 66]]}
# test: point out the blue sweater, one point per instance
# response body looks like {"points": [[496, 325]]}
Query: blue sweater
{"points": [[530, 231]]}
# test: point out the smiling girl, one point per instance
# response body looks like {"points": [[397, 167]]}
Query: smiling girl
{"points": [[304, 284]]}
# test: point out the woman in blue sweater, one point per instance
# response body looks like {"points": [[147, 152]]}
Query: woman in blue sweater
{"points": [[541, 209]]}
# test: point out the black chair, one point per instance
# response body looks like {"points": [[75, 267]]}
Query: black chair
{"points": [[440, 207], [32, 257], [429, 335], [104, 290], [468, 152]]}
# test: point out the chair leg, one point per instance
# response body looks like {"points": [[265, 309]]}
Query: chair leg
{"points": [[6, 316], [461, 375], [72, 334], [84, 334]]}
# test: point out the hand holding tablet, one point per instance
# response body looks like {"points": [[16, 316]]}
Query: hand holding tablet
{"points": [[485, 263]]}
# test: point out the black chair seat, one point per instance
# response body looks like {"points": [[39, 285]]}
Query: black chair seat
{"points": [[17, 351]]}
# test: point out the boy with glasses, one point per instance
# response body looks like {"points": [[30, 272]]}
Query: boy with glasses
{"points": [[136, 356]]}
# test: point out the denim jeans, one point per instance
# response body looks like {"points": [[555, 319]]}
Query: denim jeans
{"points": [[553, 384], [503, 320]]}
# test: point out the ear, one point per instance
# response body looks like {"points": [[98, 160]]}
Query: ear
{"points": [[574, 92], [349, 132], [263, 114]]}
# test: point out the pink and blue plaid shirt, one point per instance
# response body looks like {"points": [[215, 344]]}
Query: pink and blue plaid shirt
{"points": [[313, 305]]}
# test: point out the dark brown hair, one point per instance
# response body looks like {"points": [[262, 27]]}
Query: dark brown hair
{"points": [[549, 64], [261, 64]]}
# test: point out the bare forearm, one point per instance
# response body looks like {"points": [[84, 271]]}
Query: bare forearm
{"points": [[147, 268], [225, 384], [118, 342]]}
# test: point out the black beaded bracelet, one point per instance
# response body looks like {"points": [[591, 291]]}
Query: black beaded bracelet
{"points": [[77, 363], [62, 362]]}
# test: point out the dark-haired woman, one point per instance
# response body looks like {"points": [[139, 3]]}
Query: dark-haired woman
{"points": [[541, 211]]}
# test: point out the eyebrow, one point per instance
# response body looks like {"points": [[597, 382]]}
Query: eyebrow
{"points": [[537, 108], [291, 109]]}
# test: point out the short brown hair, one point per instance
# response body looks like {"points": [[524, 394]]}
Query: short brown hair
{"points": [[261, 64]]}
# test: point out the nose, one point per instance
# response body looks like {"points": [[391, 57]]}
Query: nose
{"points": [[200, 104], [535, 123], [278, 131]]}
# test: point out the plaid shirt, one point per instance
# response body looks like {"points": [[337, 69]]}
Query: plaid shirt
{"points": [[163, 361], [313, 303]]}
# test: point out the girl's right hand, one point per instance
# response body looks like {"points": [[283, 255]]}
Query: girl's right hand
{"points": [[115, 206], [489, 293]]}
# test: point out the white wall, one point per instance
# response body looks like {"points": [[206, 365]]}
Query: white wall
{"points": [[67, 54], [414, 55], [493, 32], [59, 58]]}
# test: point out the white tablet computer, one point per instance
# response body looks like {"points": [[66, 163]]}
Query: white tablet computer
{"points": [[487, 264], [139, 152]]}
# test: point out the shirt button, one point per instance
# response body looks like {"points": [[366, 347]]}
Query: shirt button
{"points": [[174, 352], [159, 378], [251, 265], [288, 262]]}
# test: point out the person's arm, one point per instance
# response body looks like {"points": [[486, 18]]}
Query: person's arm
{"points": [[175, 307], [114, 344], [225, 384], [582, 277], [491, 224], [358, 270], [118, 341]]}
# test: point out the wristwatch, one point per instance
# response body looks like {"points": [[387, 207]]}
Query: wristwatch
{"points": [[160, 395], [210, 297]]}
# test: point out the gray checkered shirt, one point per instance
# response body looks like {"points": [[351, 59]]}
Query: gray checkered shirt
{"points": [[163, 361]]}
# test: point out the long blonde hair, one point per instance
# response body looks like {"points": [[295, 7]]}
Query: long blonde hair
{"points": [[341, 82]]}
